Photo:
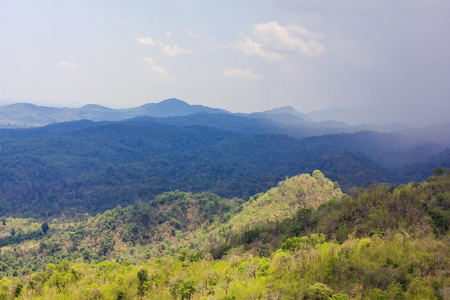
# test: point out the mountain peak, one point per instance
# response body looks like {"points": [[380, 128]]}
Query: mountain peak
{"points": [[173, 100], [19, 106], [171, 108], [284, 115], [284, 110], [94, 107]]}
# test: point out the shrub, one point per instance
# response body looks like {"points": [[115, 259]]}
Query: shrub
{"points": [[319, 291]]}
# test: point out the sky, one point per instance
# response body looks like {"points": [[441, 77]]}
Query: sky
{"points": [[243, 56]]}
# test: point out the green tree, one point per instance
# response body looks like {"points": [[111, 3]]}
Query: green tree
{"points": [[319, 291], [438, 171], [187, 288], [45, 227], [142, 275], [18, 290], [339, 296]]}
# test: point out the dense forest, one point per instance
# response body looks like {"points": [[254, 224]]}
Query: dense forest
{"points": [[302, 239], [166, 208], [84, 166]]}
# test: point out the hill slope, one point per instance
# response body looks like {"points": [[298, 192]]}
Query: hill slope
{"points": [[376, 243], [85, 166], [96, 168], [30, 115]]}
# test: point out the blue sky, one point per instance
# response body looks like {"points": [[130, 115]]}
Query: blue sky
{"points": [[242, 56]]}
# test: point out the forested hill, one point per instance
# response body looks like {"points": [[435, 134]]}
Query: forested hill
{"points": [[302, 239], [85, 166], [283, 120], [21, 115]]}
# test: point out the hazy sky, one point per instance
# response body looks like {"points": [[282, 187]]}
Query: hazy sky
{"points": [[240, 55]]}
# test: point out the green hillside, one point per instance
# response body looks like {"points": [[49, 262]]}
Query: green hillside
{"points": [[302, 239], [299, 192]]}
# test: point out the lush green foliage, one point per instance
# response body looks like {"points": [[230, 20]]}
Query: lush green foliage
{"points": [[379, 243]]}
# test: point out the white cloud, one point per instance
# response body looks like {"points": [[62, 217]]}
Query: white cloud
{"points": [[192, 34], [241, 73], [159, 72], [149, 60], [271, 41], [174, 50], [299, 30], [168, 49], [66, 64], [147, 41], [252, 48], [290, 38], [168, 34], [162, 74]]}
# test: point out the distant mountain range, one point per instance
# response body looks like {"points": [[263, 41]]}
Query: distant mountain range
{"points": [[22, 115], [30, 115], [282, 120], [95, 162]]}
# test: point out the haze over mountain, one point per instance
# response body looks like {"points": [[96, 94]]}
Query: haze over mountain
{"points": [[303, 54], [86, 165], [374, 115], [29, 115], [282, 120]]}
